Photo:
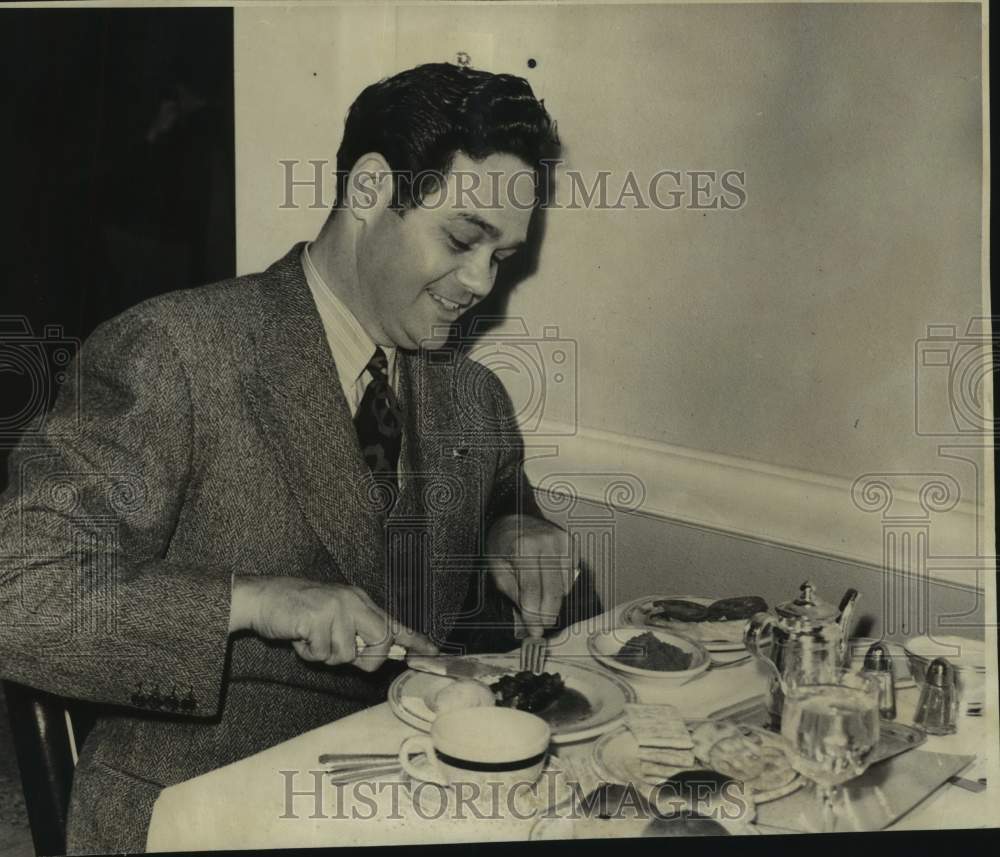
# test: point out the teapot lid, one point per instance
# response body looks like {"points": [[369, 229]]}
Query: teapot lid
{"points": [[808, 606]]}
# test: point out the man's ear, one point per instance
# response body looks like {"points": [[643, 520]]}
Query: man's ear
{"points": [[369, 187]]}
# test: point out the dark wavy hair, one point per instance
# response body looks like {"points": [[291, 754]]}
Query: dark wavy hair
{"points": [[419, 119]]}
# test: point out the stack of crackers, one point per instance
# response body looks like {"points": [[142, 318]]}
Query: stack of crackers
{"points": [[665, 745]]}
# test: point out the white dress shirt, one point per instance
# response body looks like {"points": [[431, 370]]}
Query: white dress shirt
{"points": [[350, 345]]}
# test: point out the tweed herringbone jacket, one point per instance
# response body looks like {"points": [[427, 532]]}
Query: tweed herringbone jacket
{"points": [[204, 434]]}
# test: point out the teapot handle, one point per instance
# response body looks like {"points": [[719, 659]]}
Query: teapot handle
{"points": [[757, 626], [845, 613]]}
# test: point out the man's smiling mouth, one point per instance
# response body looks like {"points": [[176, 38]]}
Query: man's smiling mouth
{"points": [[451, 306]]}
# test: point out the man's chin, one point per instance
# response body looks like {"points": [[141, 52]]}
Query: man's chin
{"points": [[433, 344], [437, 338]]}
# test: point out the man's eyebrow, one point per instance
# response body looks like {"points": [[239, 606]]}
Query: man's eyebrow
{"points": [[486, 226]]}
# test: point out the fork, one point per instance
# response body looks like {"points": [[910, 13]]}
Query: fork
{"points": [[350, 767], [342, 776], [534, 650], [533, 653]]}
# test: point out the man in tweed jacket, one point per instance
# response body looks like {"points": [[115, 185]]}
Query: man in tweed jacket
{"points": [[194, 541]]}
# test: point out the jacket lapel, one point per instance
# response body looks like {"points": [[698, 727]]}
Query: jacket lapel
{"points": [[295, 395], [443, 487]]}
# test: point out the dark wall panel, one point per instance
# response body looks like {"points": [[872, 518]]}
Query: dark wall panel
{"points": [[118, 150]]}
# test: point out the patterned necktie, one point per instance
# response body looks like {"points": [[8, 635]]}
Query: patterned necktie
{"points": [[379, 423]]}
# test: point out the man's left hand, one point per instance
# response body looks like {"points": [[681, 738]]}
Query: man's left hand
{"points": [[531, 562]]}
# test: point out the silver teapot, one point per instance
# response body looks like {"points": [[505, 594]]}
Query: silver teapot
{"points": [[803, 641]]}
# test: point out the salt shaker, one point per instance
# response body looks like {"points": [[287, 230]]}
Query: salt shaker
{"points": [[878, 664], [937, 710]]}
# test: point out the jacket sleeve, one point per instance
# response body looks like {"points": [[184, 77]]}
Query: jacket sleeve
{"points": [[91, 607]]}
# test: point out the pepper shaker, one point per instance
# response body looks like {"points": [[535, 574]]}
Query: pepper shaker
{"points": [[878, 664], [937, 710]]}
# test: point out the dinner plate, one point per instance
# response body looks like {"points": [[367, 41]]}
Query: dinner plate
{"points": [[714, 636], [616, 756], [603, 693]]}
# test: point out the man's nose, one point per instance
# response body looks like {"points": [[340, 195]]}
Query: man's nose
{"points": [[478, 274]]}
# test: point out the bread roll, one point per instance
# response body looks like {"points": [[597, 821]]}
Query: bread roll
{"points": [[463, 693]]}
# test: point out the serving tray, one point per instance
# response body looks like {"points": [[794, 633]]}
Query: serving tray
{"points": [[894, 738]]}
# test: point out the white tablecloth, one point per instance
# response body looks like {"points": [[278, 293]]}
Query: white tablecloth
{"points": [[250, 803]]}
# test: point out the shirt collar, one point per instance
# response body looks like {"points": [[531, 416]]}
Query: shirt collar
{"points": [[351, 345]]}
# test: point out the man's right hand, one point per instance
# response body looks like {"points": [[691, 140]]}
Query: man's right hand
{"points": [[321, 620]]}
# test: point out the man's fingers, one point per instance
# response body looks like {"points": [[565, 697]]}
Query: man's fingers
{"points": [[415, 642], [531, 594], [553, 592], [314, 648], [343, 647], [371, 624], [505, 576]]}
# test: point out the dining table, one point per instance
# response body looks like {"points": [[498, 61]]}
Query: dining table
{"points": [[280, 797]]}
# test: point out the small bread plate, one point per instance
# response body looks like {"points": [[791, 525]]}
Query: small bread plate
{"points": [[592, 703], [617, 757], [725, 636], [630, 650]]}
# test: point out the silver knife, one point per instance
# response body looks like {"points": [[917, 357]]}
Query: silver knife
{"points": [[453, 667], [396, 652]]}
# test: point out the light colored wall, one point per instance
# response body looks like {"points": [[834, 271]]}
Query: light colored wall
{"points": [[645, 555], [780, 335]]}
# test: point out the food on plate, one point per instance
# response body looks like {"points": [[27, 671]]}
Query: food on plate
{"points": [[776, 772], [679, 610], [660, 763], [527, 691], [667, 756], [755, 757], [664, 611], [674, 755], [647, 652], [730, 609], [463, 693], [717, 623], [658, 726], [708, 733]]}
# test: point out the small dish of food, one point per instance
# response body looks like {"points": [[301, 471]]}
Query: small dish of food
{"points": [[650, 653], [718, 624]]}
